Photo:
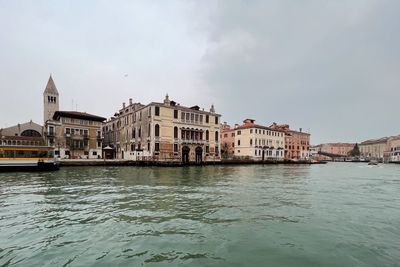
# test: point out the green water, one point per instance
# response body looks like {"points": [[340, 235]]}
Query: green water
{"points": [[337, 214]]}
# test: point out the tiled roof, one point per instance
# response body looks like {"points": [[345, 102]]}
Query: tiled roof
{"points": [[77, 115], [252, 125]]}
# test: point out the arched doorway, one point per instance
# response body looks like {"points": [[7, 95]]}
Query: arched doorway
{"points": [[263, 155], [185, 154], [199, 155]]}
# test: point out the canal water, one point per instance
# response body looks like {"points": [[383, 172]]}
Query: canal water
{"points": [[338, 214]]}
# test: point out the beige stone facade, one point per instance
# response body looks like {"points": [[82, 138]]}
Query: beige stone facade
{"points": [[164, 132], [23, 134], [394, 148], [374, 148], [258, 142], [75, 135]]}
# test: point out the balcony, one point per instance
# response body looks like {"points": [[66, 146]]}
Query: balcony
{"points": [[194, 122], [193, 141], [50, 134]]}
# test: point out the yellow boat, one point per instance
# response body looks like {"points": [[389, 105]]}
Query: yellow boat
{"points": [[27, 158]]}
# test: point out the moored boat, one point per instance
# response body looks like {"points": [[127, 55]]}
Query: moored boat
{"points": [[27, 158]]}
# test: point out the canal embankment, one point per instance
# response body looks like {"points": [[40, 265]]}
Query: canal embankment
{"points": [[121, 162]]}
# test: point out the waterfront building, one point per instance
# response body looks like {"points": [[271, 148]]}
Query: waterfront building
{"points": [[24, 134], [258, 142], [73, 134], [164, 131], [337, 149], [297, 143], [227, 141], [375, 148], [394, 147]]}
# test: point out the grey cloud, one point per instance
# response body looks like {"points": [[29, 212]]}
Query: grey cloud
{"points": [[324, 65]]}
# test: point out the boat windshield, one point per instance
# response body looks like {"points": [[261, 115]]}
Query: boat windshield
{"points": [[19, 153]]}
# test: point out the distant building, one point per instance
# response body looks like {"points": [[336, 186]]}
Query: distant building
{"points": [[258, 142], [24, 134], [297, 143], [337, 149], [385, 148], [163, 132], [227, 141], [394, 148], [73, 134], [375, 148]]}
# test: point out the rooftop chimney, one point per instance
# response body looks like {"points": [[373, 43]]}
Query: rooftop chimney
{"points": [[130, 101], [301, 129], [123, 105]]}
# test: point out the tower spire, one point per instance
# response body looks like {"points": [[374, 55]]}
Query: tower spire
{"points": [[51, 87]]}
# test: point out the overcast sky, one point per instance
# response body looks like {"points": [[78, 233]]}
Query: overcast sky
{"points": [[330, 67]]}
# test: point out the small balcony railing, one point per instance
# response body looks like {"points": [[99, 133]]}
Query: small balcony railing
{"points": [[49, 134]]}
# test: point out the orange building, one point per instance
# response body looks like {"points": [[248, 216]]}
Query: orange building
{"points": [[340, 149], [227, 141], [297, 143]]}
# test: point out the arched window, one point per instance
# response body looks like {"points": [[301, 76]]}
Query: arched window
{"points": [[175, 132], [216, 136], [148, 134], [157, 130], [31, 133], [207, 135], [134, 133]]}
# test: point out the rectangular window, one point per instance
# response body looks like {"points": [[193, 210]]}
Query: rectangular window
{"points": [[251, 131], [216, 120], [175, 147], [207, 118], [201, 118], [239, 132], [207, 149], [94, 153], [175, 114], [182, 115], [157, 111], [67, 130], [157, 147], [238, 142]]}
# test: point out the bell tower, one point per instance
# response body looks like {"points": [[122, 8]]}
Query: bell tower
{"points": [[50, 100]]}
